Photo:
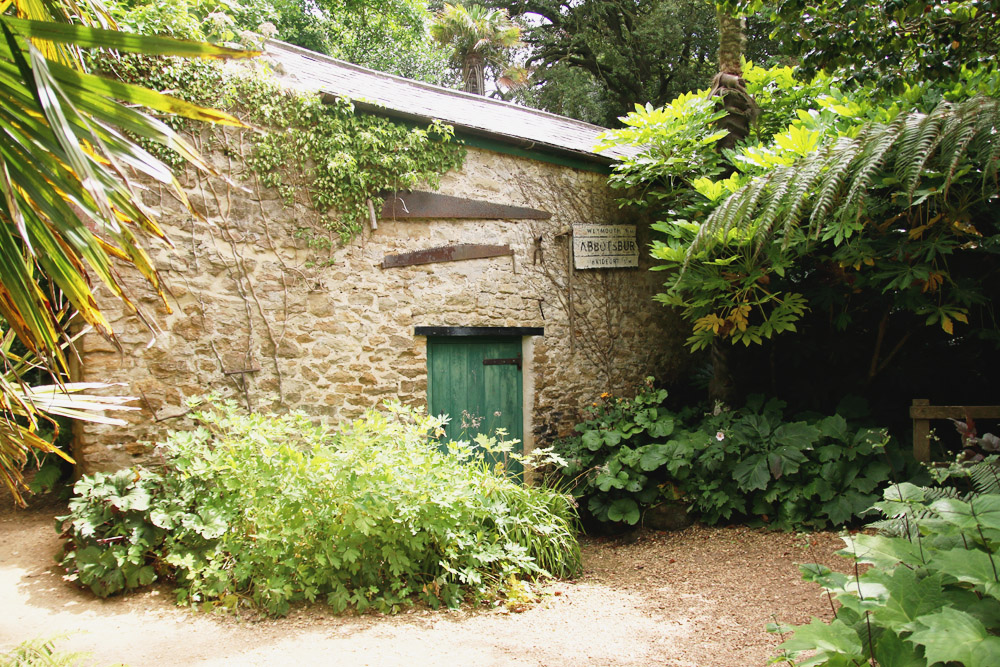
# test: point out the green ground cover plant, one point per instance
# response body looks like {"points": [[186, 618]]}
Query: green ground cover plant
{"points": [[753, 464], [262, 511], [929, 597]]}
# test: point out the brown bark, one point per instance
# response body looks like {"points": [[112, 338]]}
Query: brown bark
{"points": [[474, 75], [728, 84], [732, 41]]}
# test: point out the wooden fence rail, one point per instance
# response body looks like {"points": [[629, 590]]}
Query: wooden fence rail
{"points": [[922, 412]]}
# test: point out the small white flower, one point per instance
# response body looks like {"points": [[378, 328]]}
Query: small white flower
{"points": [[720, 436]]}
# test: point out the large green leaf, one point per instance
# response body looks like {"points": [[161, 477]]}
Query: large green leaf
{"points": [[799, 435], [752, 473], [624, 509], [883, 552], [891, 651], [909, 598], [833, 637], [971, 566], [950, 635]]}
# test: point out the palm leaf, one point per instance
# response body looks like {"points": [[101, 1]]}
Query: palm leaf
{"points": [[66, 202]]}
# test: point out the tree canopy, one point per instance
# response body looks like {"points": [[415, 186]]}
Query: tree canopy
{"points": [[387, 35], [596, 59], [854, 230]]}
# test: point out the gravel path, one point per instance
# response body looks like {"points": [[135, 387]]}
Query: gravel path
{"points": [[695, 598]]}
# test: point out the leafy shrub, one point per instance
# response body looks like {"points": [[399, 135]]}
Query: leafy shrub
{"points": [[41, 652], [269, 510], [929, 598], [751, 463]]}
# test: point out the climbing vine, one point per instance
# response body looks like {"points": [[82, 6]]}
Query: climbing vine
{"points": [[336, 158]]}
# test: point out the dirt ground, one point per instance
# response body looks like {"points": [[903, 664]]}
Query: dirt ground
{"points": [[694, 598]]}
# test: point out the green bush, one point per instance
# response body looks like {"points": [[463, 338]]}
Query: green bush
{"points": [[930, 598], [270, 510], [751, 464]]}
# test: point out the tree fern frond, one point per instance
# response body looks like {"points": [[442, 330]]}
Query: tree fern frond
{"points": [[749, 205], [774, 199], [872, 159], [921, 135], [733, 211], [907, 524], [806, 181], [831, 185], [985, 476], [834, 182], [955, 147]]}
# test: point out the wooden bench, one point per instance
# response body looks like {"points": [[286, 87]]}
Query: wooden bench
{"points": [[922, 412]]}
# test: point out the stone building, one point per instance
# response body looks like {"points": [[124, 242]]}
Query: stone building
{"points": [[469, 298]]}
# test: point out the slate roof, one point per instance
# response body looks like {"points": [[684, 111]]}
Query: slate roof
{"points": [[396, 96]]}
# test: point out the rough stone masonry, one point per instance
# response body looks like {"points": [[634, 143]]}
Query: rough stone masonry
{"points": [[264, 311]]}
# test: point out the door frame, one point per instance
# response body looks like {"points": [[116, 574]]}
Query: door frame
{"points": [[527, 336]]}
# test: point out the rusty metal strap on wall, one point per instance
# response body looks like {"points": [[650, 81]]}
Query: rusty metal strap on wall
{"points": [[450, 253]]}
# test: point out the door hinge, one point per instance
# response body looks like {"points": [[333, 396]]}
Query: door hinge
{"points": [[510, 361]]}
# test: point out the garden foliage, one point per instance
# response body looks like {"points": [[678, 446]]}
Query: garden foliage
{"points": [[270, 510], [931, 597], [839, 193], [748, 464]]}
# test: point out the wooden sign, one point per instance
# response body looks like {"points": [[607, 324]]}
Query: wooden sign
{"points": [[605, 247]]}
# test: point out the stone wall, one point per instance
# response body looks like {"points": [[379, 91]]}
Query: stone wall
{"points": [[261, 311]]}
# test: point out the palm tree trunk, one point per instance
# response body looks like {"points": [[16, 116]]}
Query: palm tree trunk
{"points": [[474, 75]]}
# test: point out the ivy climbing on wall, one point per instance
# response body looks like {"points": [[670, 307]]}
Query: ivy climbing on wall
{"points": [[338, 158]]}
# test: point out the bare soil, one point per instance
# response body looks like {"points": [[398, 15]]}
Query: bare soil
{"points": [[699, 597]]}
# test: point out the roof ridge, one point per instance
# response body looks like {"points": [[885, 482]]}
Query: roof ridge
{"points": [[430, 86]]}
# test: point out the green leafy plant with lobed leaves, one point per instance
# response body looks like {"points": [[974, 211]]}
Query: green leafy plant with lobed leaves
{"points": [[751, 464], [931, 597], [264, 511]]}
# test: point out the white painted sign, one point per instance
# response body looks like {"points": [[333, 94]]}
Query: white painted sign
{"points": [[605, 247]]}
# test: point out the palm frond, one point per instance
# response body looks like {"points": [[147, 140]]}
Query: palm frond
{"points": [[67, 204]]}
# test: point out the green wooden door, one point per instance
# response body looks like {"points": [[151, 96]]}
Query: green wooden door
{"points": [[479, 397]]}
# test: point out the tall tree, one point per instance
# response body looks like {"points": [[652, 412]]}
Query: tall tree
{"points": [[596, 59], [728, 83], [69, 211], [890, 43], [479, 38], [740, 111]]}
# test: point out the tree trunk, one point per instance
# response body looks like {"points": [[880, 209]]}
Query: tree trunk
{"points": [[728, 84], [732, 41], [741, 110], [474, 75], [721, 388]]}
